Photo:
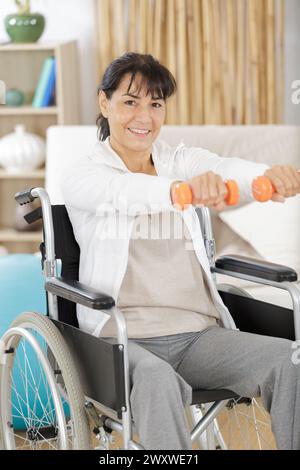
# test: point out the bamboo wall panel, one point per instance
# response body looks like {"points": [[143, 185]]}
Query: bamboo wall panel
{"points": [[253, 48], [215, 27], [171, 57], [224, 69], [104, 38], [280, 57], [227, 55], [132, 14], [157, 43], [240, 60], [271, 61], [196, 101], [117, 14]]}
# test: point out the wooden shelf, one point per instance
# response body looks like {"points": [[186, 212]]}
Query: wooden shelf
{"points": [[23, 110], [34, 174], [34, 46], [11, 235], [21, 67]]}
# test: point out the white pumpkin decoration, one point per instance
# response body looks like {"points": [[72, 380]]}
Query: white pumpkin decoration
{"points": [[21, 151]]}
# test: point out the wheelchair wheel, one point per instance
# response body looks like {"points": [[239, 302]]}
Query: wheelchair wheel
{"points": [[244, 424], [41, 407]]}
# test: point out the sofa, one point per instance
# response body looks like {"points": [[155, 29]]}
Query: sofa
{"points": [[269, 231]]}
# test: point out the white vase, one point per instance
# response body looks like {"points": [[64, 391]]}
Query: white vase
{"points": [[21, 151], [3, 250]]}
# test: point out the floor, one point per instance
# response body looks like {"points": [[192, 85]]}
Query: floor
{"points": [[239, 430]]}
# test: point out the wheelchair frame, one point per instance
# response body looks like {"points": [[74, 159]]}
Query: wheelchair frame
{"points": [[235, 266]]}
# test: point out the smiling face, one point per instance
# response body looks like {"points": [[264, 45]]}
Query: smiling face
{"points": [[134, 117]]}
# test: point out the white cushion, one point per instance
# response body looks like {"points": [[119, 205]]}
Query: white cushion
{"points": [[65, 144], [272, 229], [270, 144]]}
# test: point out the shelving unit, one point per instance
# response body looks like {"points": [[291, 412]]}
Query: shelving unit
{"points": [[24, 110], [20, 66], [34, 174]]}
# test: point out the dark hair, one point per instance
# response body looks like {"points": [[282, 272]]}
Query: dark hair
{"points": [[156, 77]]}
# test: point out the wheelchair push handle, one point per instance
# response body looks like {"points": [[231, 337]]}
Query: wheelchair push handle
{"points": [[182, 194], [25, 196], [263, 189]]}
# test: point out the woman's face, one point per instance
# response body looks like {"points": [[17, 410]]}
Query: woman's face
{"points": [[134, 118]]}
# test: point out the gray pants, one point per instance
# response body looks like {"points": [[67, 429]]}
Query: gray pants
{"points": [[164, 370]]}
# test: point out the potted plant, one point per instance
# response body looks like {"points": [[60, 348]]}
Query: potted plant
{"points": [[24, 26]]}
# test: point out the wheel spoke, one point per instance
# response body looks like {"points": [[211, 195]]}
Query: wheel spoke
{"points": [[35, 389], [246, 426]]}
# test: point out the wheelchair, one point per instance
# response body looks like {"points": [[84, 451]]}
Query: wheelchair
{"points": [[61, 388]]}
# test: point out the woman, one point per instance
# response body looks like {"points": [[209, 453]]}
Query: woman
{"points": [[140, 247]]}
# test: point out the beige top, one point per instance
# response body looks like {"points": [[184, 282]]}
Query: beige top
{"points": [[164, 290]]}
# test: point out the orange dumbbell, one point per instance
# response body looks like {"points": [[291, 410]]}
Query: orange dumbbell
{"points": [[183, 196], [263, 188]]}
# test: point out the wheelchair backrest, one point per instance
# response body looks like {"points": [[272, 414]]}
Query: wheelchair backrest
{"points": [[68, 251]]}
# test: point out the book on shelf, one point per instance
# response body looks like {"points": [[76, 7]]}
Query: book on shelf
{"points": [[45, 90]]}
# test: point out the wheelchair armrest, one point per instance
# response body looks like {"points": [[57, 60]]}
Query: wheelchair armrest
{"points": [[256, 268], [79, 293]]}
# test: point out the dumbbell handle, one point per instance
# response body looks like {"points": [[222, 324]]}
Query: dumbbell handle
{"points": [[263, 189], [182, 195]]}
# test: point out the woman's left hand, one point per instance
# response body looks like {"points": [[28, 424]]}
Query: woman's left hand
{"points": [[286, 180]]}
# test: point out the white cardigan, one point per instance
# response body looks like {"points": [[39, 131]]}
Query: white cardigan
{"points": [[103, 197]]}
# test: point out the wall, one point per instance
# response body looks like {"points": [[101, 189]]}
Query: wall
{"points": [[292, 69], [68, 19], [75, 19]]}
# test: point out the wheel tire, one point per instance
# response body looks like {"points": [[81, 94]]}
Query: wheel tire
{"points": [[37, 324]]}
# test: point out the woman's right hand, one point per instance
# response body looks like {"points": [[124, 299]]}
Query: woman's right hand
{"points": [[208, 190]]}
